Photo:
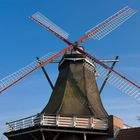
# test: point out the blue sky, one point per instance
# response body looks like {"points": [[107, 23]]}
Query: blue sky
{"points": [[21, 40]]}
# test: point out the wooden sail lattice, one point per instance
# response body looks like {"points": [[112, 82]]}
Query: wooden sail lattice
{"points": [[16, 76], [110, 24]]}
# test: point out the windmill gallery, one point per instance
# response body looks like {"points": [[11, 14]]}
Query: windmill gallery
{"points": [[75, 110]]}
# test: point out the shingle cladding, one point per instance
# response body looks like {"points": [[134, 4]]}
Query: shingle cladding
{"points": [[76, 91]]}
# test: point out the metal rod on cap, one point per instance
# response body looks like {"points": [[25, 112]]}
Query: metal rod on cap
{"points": [[46, 74]]}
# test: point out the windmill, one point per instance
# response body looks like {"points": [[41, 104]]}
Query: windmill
{"points": [[77, 71]]}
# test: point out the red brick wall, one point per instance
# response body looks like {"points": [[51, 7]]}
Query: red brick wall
{"points": [[114, 124]]}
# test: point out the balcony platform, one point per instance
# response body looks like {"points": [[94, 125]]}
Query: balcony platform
{"points": [[41, 127]]}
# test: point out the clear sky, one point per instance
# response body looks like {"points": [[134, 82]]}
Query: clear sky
{"points": [[21, 40]]}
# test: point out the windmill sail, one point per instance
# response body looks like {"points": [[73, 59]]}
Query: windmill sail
{"points": [[118, 82], [110, 24], [41, 18], [22, 72], [48, 24]]}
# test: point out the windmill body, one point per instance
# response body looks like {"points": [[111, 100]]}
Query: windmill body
{"points": [[76, 92]]}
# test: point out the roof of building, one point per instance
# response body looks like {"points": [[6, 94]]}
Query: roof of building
{"points": [[129, 134]]}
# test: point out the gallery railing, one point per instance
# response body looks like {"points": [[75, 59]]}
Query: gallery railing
{"points": [[58, 121]]}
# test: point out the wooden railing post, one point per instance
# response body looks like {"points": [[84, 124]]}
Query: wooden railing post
{"points": [[91, 122], [57, 120], [32, 121], [23, 124], [42, 119], [74, 121], [15, 125]]}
